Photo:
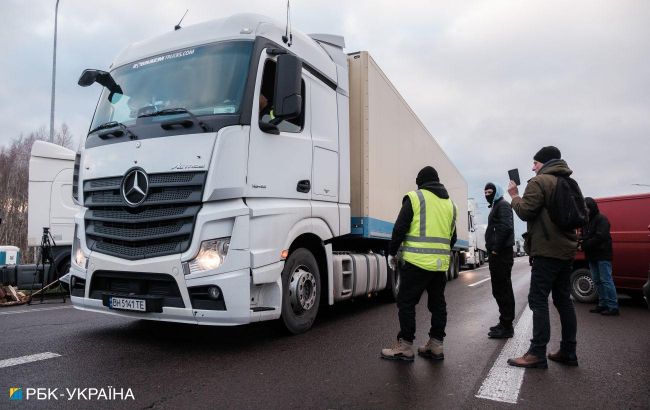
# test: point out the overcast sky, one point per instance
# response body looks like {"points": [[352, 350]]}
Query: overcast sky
{"points": [[493, 80]]}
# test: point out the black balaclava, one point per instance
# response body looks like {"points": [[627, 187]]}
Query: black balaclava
{"points": [[427, 175], [490, 197], [592, 206]]}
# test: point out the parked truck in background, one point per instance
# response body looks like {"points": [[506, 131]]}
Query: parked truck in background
{"points": [[50, 205], [474, 256], [202, 204], [629, 217]]}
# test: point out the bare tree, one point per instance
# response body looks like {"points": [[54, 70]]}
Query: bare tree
{"points": [[14, 181]]}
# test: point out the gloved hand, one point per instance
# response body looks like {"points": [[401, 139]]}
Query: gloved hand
{"points": [[392, 262]]}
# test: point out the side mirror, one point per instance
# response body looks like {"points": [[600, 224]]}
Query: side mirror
{"points": [[288, 99], [88, 77]]}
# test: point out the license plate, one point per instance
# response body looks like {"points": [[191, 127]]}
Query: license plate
{"points": [[139, 305]]}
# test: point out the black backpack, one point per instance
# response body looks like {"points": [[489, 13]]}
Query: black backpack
{"points": [[567, 207]]}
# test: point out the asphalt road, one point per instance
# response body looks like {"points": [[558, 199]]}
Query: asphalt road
{"points": [[334, 365]]}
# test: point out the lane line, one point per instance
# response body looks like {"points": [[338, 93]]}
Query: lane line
{"points": [[475, 270], [27, 359], [13, 312], [479, 282], [503, 382]]}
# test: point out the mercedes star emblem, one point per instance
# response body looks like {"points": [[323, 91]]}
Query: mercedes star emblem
{"points": [[135, 187]]}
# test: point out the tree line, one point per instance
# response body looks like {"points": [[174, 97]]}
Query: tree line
{"points": [[14, 181]]}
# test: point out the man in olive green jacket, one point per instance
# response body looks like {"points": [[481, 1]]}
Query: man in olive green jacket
{"points": [[552, 250]]}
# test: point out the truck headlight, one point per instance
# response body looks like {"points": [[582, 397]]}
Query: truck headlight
{"points": [[210, 256], [78, 256]]}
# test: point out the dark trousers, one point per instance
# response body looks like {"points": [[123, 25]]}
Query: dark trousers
{"points": [[500, 270], [550, 275], [413, 282]]}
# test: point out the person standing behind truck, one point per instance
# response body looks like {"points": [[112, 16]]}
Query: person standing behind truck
{"points": [[597, 244], [499, 240], [553, 250], [425, 232]]}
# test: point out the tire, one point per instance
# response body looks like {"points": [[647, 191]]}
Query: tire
{"points": [[301, 291], [583, 288], [456, 265], [64, 267], [394, 282]]}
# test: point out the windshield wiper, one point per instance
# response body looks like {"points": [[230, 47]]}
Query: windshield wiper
{"points": [[116, 133], [178, 110]]}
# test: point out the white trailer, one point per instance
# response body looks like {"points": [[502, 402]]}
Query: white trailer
{"points": [[50, 203], [203, 204], [388, 146]]}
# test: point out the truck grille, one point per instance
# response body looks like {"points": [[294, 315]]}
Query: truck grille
{"points": [[162, 225]]}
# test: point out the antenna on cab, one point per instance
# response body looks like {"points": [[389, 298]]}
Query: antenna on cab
{"points": [[178, 26], [288, 37]]}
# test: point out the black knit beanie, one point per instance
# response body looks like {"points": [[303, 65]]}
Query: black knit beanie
{"points": [[547, 153], [427, 174]]}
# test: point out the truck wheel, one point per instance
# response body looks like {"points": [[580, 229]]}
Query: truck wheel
{"points": [[301, 291], [64, 267], [583, 287], [456, 261], [395, 280]]}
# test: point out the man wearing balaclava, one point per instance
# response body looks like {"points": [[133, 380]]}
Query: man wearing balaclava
{"points": [[499, 240], [552, 249], [424, 233]]}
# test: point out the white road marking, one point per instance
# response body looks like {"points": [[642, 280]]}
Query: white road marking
{"points": [[475, 270], [27, 359], [13, 312], [503, 382], [479, 282]]}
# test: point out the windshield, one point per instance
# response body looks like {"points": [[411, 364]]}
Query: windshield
{"points": [[205, 80]]}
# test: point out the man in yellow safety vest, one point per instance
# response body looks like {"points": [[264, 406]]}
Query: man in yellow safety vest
{"points": [[425, 233]]}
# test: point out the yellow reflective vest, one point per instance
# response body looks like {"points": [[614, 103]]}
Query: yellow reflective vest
{"points": [[427, 243]]}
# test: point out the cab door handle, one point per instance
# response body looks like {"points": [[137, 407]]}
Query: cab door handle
{"points": [[304, 186]]}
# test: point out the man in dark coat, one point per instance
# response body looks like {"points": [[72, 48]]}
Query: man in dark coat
{"points": [[553, 249], [597, 244], [499, 240]]}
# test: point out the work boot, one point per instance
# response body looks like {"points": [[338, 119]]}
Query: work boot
{"points": [[569, 359], [502, 332], [610, 312], [402, 350], [529, 361], [432, 350], [497, 326], [597, 309]]}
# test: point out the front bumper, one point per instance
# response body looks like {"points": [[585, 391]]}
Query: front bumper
{"points": [[235, 288]]}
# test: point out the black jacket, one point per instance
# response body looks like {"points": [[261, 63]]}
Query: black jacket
{"points": [[596, 238], [403, 222], [500, 233]]}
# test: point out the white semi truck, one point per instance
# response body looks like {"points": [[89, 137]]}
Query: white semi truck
{"points": [[50, 205], [475, 254], [233, 174]]}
